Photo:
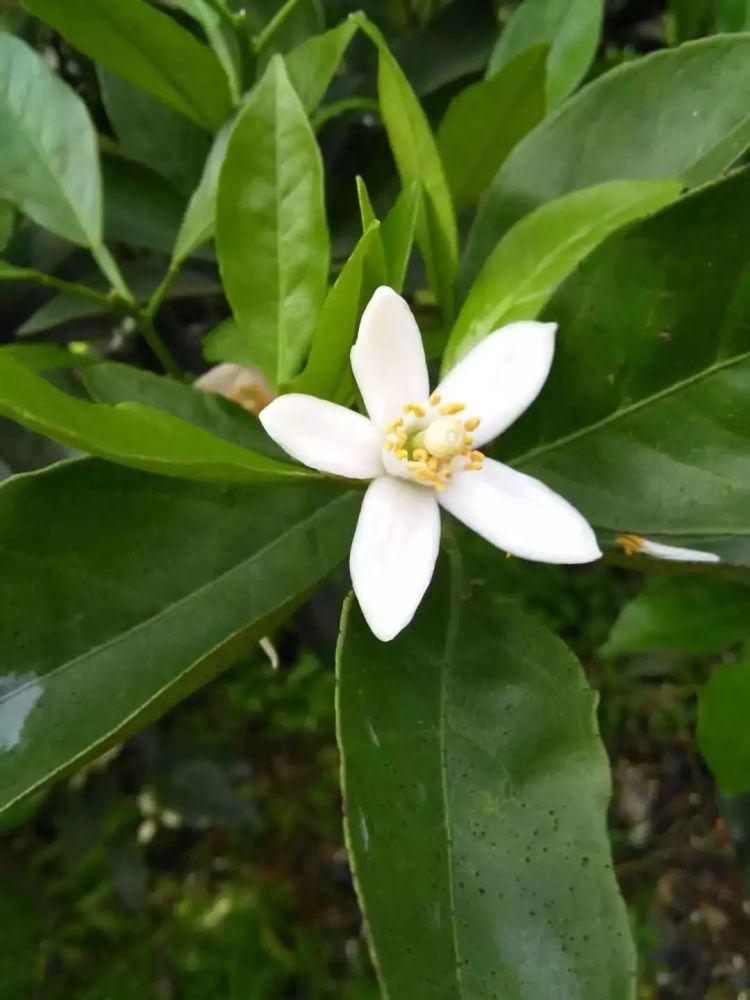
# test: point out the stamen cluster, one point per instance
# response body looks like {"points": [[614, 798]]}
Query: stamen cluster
{"points": [[430, 457]]}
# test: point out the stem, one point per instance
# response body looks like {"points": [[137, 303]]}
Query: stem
{"points": [[159, 293], [154, 341], [60, 285], [274, 24]]}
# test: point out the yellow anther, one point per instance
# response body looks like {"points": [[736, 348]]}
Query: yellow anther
{"points": [[420, 454], [450, 408], [477, 456], [389, 445], [435, 399], [418, 411], [631, 544], [432, 463], [472, 423], [473, 466], [401, 438], [468, 439], [402, 453], [395, 424]]}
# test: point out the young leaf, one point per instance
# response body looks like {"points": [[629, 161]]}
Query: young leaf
{"points": [[417, 159], [131, 433], [686, 613], [198, 222], [222, 36], [271, 230], [328, 372], [49, 166], [486, 120], [312, 65], [154, 134], [723, 734], [681, 113], [147, 47], [572, 28], [476, 792], [398, 231], [103, 631], [643, 423], [534, 257]]}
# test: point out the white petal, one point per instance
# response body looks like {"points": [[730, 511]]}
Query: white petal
{"points": [[388, 358], [520, 515], [393, 553], [324, 436], [501, 376], [633, 544]]}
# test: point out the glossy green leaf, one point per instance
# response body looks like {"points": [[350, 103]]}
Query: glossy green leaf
{"points": [[328, 370], [131, 433], [476, 792], [271, 230], [643, 423], [109, 382], [49, 166], [198, 222], [681, 113], [417, 159], [154, 134], [542, 249], [312, 65], [147, 47], [571, 28], [102, 632], [486, 120], [687, 613], [223, 38], [723, 732]]}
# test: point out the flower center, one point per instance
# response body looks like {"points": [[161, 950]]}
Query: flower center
{"points": [[429, 439]]}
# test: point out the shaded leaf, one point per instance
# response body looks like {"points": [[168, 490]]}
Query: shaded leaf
{"points": [[198, 222], [222, 36], [690, 614], [102, 632], [476, 791], [227, 342], [723, 732]]}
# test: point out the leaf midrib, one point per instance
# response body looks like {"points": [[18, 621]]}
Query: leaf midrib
{"points": [[625, 411]]}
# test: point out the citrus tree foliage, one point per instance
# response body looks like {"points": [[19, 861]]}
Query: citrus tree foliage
{"points": [[163, 156]]}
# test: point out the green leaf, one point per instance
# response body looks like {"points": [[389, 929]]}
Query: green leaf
{"points": [[723, 733], [109, 382], [572, 29], [222, 36], [328, 372], [397, 233], [102, 632], [643, 423], [476, 792], [131, 434], [153, 134], [146, 47], [198, 222], [681, 113], [227, 342], [271, 230], [7, 221], [312, 65], [417, 159], [44, 357], [692, 18], [140, 207], [542, 249], [49, 166], [486, 120], [689, 614]]}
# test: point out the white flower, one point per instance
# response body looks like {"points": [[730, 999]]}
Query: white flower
{"points": [[419, 451], [633, 545]]}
